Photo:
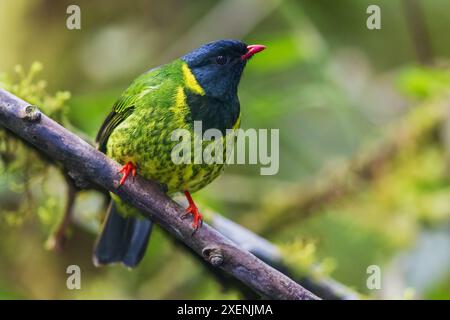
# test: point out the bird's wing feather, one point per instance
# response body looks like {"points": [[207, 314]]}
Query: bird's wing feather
{"points": [[124, 107], [119, 113]]}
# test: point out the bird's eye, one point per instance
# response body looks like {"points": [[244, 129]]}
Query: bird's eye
{"points": [[221, 60]]}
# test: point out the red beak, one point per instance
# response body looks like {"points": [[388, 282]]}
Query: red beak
{"points": [[251, 50]]}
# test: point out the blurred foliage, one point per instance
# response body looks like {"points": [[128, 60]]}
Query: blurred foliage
{"points": [[421, 83], [334, 89], [22, 169]]}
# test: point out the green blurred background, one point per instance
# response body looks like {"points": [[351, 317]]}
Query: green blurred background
{"points": [[340, 94]]}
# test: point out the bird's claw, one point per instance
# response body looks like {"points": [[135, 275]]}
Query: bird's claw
{"points": [[126, 170], [193, 210], [197, 217]]}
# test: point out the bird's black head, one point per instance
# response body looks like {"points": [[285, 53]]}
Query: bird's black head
{"points": [[218, 66]]}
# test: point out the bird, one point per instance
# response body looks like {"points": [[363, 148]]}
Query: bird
{"points": [[201, 86]]}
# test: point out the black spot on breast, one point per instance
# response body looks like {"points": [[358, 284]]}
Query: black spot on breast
{"points": [[212, 112]]}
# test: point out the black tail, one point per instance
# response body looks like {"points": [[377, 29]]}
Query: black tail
{"points": [[123, 239]]}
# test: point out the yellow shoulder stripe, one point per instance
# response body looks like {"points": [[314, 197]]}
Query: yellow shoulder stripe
{"points": [[180, 108], [190, 81], [237, 124], [180, 98], [180, 101]]}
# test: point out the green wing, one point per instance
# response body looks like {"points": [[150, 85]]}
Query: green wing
{"points": [[136, 95], [121, 110], [124, 107]]}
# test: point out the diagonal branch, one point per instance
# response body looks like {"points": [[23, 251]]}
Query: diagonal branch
{"points": [[325, 287], [81, 159]]}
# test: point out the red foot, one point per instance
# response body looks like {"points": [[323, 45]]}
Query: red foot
{"points": [[192, 209], [125, 171]]}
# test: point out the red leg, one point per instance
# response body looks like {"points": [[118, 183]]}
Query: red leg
{"points": [[192, 209], [126, 170]]}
